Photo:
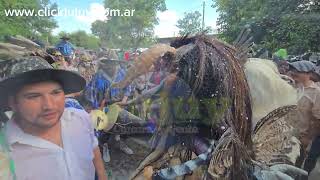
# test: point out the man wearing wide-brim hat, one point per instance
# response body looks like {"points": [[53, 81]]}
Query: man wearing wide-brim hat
{"points": [[307, 117], [66, 48], [47, 141], [111, 66], [117, 70]]}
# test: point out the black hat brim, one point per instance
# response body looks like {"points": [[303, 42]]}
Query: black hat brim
{"points": [[71, 82]]}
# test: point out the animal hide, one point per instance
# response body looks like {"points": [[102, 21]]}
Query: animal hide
{"points": [[267, 88], [273, 139]]}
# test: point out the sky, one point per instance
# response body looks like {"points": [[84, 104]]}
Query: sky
{"points": [[167, 19]]}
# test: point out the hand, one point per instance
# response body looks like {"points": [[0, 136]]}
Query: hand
{"points": [[148, 172], [103, 177], [170, 79], [278, 172], [121, 103]]}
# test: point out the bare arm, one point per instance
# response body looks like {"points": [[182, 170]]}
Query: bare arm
{"points": [[124, 99], [147, 94], [98, 164], [123, 102]]}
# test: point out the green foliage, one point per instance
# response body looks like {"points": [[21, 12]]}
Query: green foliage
{"points": [[81, 39], [52, 40], [28, 26], [129, 31], [92, 42], [191, 24], [290, 24], [208, 110]]}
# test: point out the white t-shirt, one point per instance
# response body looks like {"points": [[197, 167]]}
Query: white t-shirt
{"points": [[39, 159]]}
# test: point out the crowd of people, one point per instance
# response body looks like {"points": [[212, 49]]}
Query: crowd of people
{"points": [[209, 112]]}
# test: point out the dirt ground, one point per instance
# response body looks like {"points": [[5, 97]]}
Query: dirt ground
{"points": [[122, 165]]}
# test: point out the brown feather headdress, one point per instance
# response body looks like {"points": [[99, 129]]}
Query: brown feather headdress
{"points": [[213, 71]]}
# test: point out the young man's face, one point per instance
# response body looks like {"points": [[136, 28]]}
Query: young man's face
{"points": [[299, 77], [39, 105]]}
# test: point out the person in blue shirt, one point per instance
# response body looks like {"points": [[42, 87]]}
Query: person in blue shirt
{"points": [[117, 94], [66, 48], [73, 103], [100, 93]]}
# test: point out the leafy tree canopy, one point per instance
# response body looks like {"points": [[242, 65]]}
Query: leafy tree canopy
{"points": [[129, 31], [191, 24], [290, 24], [28, 26]]}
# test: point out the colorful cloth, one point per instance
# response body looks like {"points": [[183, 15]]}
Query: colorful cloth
{"points": [[127, 56], [187, 167], [117, 94], [96, 89], [72, 103], [65, 47], [157, 77]]}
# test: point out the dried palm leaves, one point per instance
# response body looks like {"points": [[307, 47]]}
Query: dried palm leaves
{"points": [[243, 44], [230, 159], [22, 41], [20, 46], [8, 51], [212, 71]]}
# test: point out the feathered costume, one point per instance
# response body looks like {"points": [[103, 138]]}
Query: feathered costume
{"points": [[207, 90]]}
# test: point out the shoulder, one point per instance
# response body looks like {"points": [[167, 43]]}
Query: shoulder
{"points": [[69, 43], [314, 90], [317, 86], [75, 115], [76, 112], [312, 94], [76, 119]]}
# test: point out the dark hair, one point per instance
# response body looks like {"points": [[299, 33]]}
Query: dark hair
{"points": [[27, 79]]}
